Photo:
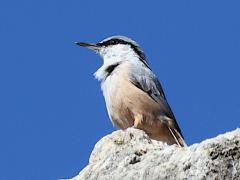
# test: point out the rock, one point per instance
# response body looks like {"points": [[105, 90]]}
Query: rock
{"points": [[132, 155]]}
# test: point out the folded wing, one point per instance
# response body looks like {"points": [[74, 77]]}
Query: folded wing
{"points": [[147, 82]]}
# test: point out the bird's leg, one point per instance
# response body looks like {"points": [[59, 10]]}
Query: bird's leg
{"points": [[137, 121]]}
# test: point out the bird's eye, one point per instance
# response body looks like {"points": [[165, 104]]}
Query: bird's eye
{"points": [[113, 41]]}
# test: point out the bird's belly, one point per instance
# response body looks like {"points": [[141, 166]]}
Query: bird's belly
{"points": [[117, 103], [125, 102]]}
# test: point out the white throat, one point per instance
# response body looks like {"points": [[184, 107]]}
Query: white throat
{"points": [[113, 55]]}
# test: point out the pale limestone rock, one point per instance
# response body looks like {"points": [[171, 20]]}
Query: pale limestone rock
{"points": [[132, 155]]}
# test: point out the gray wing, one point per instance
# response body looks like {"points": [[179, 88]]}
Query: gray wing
{"points": [[144, 79]]}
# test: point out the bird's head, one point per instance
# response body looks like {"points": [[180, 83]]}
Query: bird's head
{"points": [[116, 48]]}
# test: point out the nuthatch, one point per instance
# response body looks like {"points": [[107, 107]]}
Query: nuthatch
{"points": [[133, 94]]}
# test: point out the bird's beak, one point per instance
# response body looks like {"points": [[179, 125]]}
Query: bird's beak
{"points": [[93, 47]]}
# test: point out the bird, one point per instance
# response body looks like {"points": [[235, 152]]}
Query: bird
{"points": [[133, 95]]}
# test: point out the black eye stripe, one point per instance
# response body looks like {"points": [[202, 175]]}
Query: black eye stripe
{"points": [[112, 42]]}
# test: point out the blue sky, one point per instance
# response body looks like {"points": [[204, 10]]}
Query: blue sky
{"points": [[52, 111]]}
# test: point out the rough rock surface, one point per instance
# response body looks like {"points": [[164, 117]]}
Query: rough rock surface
{"points": [[131, 155]]}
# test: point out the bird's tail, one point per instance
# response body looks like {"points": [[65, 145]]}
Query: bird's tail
{"points": [[177, 137]]}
